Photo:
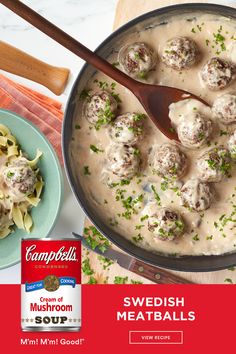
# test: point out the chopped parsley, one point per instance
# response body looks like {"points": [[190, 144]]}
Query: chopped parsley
{"points": [[219, 40], [124, 182], [139, 116], [172, 130], [164, 185], [223, 132], [116, 97], [92, 280], [77, 126], [95, 239], [95, 149], [106, 262], [129, 203], [198, 28], [115, 63], [196, 238], [228, 280], [142, 75], [120, 280], [138, 227], [157, 197], [86, 171], [113, 184], [113, 222], [136, 282], [145, 217], [113, 85], [201, 136], [137, 238], [85, 94], [231, 269], [105, 116], [103, 85], [10, 174], [137, 56], [209, 237], [136, 152], [86, 268]]}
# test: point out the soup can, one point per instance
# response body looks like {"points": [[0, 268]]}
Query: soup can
{"points": [[50, 285]]}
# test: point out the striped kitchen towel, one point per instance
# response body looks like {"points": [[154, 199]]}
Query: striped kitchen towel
{"points": [[44, 112]]}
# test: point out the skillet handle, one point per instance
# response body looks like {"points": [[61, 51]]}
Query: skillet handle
{"points": [[157, 275], [19, 63]]}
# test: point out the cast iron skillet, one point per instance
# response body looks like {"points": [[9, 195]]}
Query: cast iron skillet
{"points": [[160, 16]]}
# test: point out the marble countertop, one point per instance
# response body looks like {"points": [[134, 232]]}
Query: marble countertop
{"points": [[88, 21]]}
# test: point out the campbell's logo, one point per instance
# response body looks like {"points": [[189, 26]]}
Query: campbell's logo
{"points": [[47, 257]]}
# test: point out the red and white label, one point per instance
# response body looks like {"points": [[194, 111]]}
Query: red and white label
{"points": [[51, 284]]}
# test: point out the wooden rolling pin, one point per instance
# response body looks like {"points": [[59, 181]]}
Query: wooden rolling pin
{"points": [[19, 63]]}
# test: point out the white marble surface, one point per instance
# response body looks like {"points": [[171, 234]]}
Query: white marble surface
{"points": [[90, 21]]}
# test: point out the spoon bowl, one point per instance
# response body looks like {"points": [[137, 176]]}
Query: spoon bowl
{"points": [[156, 100]]}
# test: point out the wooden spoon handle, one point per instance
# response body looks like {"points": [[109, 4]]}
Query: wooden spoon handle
{"points": [[19, 63], [69, 42], [157, 275]]}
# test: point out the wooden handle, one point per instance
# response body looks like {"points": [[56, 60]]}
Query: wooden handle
{"points": [[69, 42], [19, 63], [155, 274]]}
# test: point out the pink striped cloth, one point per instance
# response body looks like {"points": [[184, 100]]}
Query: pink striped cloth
{"points": [[44, 112]]}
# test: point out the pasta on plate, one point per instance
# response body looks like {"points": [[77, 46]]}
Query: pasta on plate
{"points": [[20, 185]]}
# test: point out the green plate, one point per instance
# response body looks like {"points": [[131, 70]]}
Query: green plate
{"points": [[46, 213]]}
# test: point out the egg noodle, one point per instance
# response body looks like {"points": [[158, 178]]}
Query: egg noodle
{"points": [[20, 185]]}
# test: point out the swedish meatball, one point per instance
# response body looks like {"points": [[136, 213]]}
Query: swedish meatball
{"points": [[180, 53], [19, 177], [224, 108], [167, 160], [123, 160], [232, 145], [166, 224], [214, 164], [137, 59], [127, 128], [100, 109], [217, 73], [194, 131], [196, 194]]}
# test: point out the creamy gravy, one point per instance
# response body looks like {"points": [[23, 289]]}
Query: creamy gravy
{"points": [[208, 232]]}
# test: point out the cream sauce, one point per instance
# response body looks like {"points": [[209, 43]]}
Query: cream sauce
{"points": [[209, 232]]}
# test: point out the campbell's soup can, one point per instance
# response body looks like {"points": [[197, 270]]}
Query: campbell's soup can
{"points": [[51, 285]]}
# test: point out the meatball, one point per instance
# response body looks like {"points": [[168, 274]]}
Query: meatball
{"points": [[123, 160], [166, 224], [100, 109], [194, 131], [127, 128], [214, 164], [167, 160], [232, 145], [19, 177], [137, 59], [224, 108], [217, 73], [180, 53], [197, 195]]}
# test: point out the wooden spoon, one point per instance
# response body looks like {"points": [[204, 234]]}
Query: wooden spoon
{"points": [[22, 64], [154, 98]]}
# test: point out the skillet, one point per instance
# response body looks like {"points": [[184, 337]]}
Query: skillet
{"points": [[156, 17]]}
